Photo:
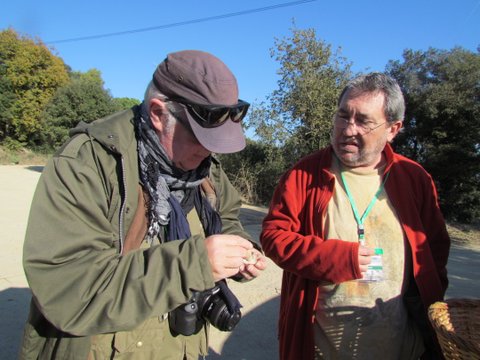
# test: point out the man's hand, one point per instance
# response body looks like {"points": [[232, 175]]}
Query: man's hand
{"points": [[253, 264], [226, 254], [364, 258]]}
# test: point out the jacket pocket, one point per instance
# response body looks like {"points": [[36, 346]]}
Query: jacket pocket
{"points": [[149, 336]]}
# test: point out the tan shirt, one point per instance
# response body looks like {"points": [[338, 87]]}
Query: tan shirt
{"points": [[366, 320]]}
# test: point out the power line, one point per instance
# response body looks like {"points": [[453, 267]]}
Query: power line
{"points": [[182, 23]]}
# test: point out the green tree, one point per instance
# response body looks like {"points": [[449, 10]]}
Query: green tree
{"points": [[125, 103], [254, 171], [32, 75], [299, 115], [84, 98], [442, 123], [7, 99]]}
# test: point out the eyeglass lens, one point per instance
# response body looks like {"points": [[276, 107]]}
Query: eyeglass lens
{"points": [[362, 128]]}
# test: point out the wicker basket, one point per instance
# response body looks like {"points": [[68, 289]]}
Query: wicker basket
{"points": [[457, 325]]}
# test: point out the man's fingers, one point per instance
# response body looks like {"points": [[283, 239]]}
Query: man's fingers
{"points": [[231, 254], [234, 240], [365, 251]]}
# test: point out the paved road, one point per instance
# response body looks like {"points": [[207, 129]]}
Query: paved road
{"points": [[255, 336]]}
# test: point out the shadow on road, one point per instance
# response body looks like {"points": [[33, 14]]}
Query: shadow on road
{"points": [[255, 337], [463, 273], [37, 168], [13, 314]]}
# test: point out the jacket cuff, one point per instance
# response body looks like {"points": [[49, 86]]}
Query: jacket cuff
{"points": [[204, 262]]}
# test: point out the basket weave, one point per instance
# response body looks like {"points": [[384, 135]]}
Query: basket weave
{"points": [[457, 325]]}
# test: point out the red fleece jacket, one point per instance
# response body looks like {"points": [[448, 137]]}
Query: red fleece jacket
{"points": [[293, 237]]}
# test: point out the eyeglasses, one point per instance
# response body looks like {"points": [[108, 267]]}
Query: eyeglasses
{"points": [[210, 116], [362, 127]]}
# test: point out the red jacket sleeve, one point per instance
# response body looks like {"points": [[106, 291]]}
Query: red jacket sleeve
{"points": [[292, 234]]}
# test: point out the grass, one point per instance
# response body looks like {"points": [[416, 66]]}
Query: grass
{"points": [[467, 235], [462, 234], [22, 157]]}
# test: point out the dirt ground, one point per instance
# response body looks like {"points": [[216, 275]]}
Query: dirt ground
{"points": [[255, 336]]}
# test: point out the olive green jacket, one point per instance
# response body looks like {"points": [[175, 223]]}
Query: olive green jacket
{"points": [[81, 282]]}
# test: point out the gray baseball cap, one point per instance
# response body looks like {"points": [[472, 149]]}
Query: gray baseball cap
{"points": [[201, 78]]}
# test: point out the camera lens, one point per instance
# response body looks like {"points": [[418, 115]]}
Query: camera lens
{"points": [[208, 305], [219, 315]]}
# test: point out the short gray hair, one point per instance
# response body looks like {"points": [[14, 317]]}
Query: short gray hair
{"points": [[376, 82], [153, 93]]}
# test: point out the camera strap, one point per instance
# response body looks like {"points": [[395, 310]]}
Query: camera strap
{"points": [[229, 297]]}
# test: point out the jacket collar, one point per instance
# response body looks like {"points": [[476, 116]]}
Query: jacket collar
{"points": [[115, 132], [389, 155]]}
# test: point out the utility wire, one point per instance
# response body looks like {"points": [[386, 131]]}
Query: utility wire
{"points": [[181, 23]]}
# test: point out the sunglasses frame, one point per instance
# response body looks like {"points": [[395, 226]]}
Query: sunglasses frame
{"points": [[235, 113]]}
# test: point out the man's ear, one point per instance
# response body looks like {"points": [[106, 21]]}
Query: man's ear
{"points": [[158, 113], [394, 129]]}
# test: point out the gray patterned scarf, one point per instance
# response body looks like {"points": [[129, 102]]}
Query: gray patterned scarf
{"points": [[165, 184]]}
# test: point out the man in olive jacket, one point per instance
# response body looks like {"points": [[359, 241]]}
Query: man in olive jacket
{"points": [[134, 224]]}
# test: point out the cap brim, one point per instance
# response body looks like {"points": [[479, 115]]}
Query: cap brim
{"points": [[224, 139]]}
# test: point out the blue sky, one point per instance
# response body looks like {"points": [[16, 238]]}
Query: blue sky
{"points": [[370, 33]]}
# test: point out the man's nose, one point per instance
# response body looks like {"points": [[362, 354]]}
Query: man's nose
{"points": [[350, 128]]}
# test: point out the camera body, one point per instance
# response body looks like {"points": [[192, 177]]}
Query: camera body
{"points": [[208, 305]]}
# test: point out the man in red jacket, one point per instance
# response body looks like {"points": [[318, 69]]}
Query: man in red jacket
{"points": [[359, 233]]}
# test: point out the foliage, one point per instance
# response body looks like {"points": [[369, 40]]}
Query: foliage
{"points": [[254, 171], [82, 99], [297, 119], [30, 76], [301, 108], [442, 123], [7, 99], [12, 144], [125, 103]]}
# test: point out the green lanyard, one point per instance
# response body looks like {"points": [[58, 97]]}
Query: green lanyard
{"points": [[360, 219]]}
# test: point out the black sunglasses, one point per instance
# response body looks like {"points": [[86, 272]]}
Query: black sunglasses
{"points": [[210, 116]]}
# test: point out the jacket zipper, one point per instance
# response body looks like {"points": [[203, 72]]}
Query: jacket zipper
{"points": [[122, 207]]}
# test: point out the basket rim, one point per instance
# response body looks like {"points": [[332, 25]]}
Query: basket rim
{"points": [[443, 333]]}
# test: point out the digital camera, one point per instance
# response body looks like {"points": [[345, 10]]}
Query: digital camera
{"points": [[208, 305]]}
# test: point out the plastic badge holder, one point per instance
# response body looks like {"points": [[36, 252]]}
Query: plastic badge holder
{"points": [[375, 269]]}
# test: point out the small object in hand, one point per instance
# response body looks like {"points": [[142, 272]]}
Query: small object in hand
{"points": [[251, 258]]}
